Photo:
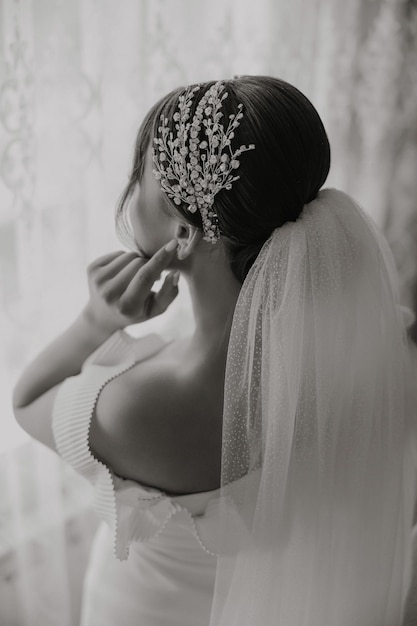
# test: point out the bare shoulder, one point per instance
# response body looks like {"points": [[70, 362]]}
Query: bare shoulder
{"points": [[161, 427]]}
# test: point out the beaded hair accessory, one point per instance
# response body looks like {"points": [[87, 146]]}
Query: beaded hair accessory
{"points": [[192, 170]]}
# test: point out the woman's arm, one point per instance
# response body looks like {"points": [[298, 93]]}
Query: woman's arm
{"points": [[120, 294], [60, 359]]}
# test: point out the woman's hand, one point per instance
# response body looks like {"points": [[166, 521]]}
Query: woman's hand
{"points": [[120, 294], [120, 285]]}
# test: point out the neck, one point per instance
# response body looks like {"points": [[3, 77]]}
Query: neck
{"points": [[214, 291]]}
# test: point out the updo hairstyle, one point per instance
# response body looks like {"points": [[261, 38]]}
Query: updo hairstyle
{"points": [[285, 171]]}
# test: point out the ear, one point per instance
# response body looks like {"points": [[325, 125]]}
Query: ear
{"points": [[188, 237]]}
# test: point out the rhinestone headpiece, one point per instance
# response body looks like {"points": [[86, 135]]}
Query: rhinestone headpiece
{"points": [[192, 169]]}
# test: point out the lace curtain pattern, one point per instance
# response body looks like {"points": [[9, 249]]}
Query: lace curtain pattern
{"points": [[75, 82]]}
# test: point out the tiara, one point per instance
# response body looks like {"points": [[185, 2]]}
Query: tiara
{"points": [[192, 170]]}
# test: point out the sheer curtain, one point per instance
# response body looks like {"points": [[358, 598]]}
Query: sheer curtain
{"points": [[76, 79]]}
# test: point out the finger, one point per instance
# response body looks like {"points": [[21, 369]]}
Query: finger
{"points": [[119, 283], [114, 267], [158, 262], [162, 299], [106, 258]]}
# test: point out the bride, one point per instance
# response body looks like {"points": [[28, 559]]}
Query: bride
{"points": [[261, 470]]}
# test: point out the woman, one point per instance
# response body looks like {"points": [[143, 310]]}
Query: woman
{"points": [[260, 471]]}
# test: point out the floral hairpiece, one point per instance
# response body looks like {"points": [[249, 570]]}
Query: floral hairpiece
{"points": [[193, 170]]}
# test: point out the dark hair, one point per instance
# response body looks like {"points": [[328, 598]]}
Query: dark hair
{"points": [[286, 170]]}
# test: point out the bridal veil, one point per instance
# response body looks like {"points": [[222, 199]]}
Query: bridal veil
{"points": [[318, 458]]}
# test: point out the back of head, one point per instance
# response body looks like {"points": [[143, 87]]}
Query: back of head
{"points": [[289, 165]]}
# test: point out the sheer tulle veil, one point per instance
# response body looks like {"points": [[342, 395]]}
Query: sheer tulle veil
{"points": [[318, 457]]}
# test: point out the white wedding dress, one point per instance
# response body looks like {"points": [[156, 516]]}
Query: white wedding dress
{"points": [[312, 524], [152, 561]]}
